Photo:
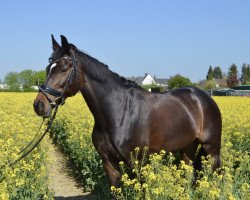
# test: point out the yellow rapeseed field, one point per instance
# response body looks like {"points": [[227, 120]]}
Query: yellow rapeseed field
{"points": [[18, 124], [158, 178]]}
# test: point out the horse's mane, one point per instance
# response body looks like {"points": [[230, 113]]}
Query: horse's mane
{"points": [[101, 72]]}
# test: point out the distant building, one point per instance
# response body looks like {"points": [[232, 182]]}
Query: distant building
{"points": [[3, 86], [148, 79], [34, 87], [220, 83]]}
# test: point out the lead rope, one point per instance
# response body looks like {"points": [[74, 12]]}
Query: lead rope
{"points": [[69, 81], [31, 140], [47, 129]]}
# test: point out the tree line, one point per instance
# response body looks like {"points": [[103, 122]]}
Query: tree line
{"points": [[24, 81], [232, 77]]}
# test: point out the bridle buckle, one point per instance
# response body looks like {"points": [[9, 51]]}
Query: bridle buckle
{"points": [[59, 101]]}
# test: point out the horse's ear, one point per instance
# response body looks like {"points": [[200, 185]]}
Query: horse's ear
{"points": [[65, 43], [55, 45]]}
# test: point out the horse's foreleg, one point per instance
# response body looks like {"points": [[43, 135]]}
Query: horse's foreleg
{"points": [[113, 173]]}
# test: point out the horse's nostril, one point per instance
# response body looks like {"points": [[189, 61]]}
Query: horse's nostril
{"points": [[39, 106]]}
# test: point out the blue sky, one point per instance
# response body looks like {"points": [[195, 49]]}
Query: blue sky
{"points": [[162, 37]]}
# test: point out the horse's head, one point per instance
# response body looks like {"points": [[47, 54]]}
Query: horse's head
{"points": [[63, 78]]}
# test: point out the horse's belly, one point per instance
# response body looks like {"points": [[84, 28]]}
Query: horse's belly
{"points": [[173, 135]]}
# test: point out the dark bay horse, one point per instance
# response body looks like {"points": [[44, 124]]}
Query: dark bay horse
{"points": [[126, 116]]}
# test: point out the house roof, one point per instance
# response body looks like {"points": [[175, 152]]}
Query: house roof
{"points": [[220, 82], [140, 79], [161, 81]]}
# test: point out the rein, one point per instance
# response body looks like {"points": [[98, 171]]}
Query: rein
{"points": [[59, 100], [38, 141]]}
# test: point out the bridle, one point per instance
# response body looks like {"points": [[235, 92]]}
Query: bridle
{"points": [[55, 104], [59, 100]]}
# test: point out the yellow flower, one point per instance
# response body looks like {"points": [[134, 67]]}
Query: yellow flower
{"points": [[158, 190], [214, 193], [245, 187], [137, 186], [151, 176]]}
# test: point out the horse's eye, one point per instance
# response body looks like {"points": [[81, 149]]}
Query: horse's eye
{"points": [[50, 60], [65, 68]]}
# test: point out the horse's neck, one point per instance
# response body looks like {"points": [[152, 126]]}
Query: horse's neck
{"points": [[100, 98]]}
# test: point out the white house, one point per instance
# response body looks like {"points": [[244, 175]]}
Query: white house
{"points": [[34, 87], [3, 86], [148, 80]]}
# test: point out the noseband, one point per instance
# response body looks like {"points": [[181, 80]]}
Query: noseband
{"points": [[59, 95]]}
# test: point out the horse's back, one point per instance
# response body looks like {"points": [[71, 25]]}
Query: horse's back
{"points": [[207, 111], [180, 116]]}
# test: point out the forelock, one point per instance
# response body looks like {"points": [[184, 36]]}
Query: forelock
{"points": [[57, 54]]}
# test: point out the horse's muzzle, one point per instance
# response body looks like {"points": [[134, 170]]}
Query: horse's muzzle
{"points": [[41, 110]]}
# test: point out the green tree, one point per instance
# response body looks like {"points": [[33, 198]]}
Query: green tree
{"points": [[217, 73], [210, 84], [39, 77], [26, 79], [12, 82], [245, 71], [210, 73], [179, 81], [232, 70]]}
